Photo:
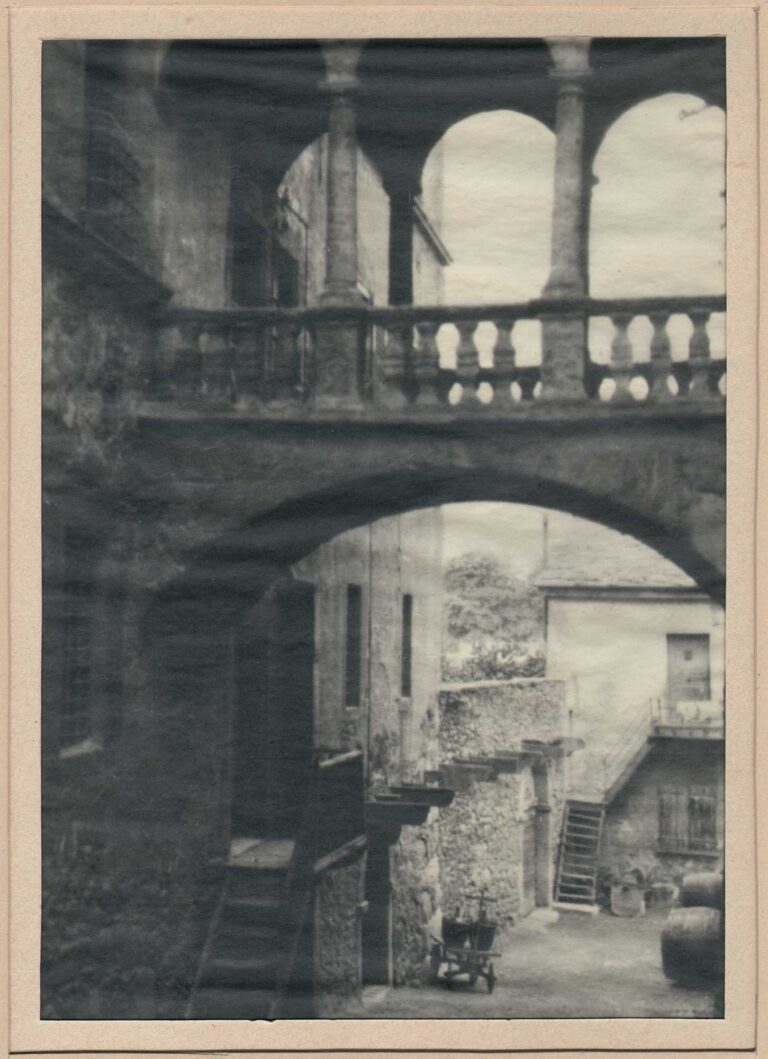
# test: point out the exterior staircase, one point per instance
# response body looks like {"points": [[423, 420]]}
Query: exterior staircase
{"points": [[584, 817], [258, 958], [576, 882], [238, 975]]}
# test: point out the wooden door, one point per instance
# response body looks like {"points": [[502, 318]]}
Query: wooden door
{"points": [[274, 727], [688, 668]]}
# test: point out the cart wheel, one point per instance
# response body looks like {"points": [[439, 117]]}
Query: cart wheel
{"points": [[491, 978]]}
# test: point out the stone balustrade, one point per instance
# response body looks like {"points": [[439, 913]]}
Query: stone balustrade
{"points": [[450, 359]]}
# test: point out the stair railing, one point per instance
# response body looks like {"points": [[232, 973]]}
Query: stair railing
{"points": [[334, 816], [213, 927], [626, 749]]}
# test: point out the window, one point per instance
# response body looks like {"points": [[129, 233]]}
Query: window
{"points": [[406, 656], [688, 668], [687, 819], [354, 640], [75, 720]]}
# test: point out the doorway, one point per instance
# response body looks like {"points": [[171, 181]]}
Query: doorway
{"points": [[273, 751], [377, 923], [688, 668]]}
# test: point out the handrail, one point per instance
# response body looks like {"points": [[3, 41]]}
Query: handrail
{"points": [[269, 358], [390, 314], [307, 849], [626, 749]]}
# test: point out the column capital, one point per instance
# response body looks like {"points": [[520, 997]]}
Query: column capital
{"points": [[570, 57], [341, 60]]}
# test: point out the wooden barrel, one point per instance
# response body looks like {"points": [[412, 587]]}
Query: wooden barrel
{"points": [[692, 945], [702, 890]]}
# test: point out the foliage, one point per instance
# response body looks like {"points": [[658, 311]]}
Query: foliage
{"points": [[494, 623]]}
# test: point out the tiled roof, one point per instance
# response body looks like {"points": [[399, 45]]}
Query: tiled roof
{"points": [[609, 561]]}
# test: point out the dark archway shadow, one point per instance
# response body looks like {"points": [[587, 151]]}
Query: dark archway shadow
{"points": [[229, 575]]}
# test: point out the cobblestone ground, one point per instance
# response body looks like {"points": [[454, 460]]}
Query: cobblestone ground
{"points": [[579, 967]]}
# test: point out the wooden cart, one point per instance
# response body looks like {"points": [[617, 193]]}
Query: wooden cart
{"points": [[466, 947]]}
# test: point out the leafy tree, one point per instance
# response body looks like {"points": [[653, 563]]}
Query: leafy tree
{"points": [[494, 623]]}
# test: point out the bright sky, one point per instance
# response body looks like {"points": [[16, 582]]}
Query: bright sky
{"points": [[657, 209]]}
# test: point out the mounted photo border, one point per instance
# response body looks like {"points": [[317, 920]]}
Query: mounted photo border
{"points": [[28, 27]]}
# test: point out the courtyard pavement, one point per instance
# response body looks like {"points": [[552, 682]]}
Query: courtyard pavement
{"points": [[579, 967]]}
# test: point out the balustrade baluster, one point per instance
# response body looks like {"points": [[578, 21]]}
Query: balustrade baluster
{"points": [[467, 363], [427, 365], [297, 383], [504, 363], [213, 349], [622, 362], [392, 367], [250, 361], [661, 359], [528, 379], [190, 372], [699, 355]]}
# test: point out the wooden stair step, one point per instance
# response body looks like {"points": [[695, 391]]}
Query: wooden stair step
{"points": [[254, 908], [253, 933], [244, 882], [576, 875], [215, 1003], [250, 972]]}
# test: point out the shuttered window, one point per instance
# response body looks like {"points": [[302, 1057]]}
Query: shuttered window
{"points": [[687, 818]]}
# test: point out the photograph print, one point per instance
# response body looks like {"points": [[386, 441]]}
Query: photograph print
{"points": [[383, 464]]}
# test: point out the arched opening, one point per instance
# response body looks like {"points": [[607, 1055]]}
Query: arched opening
{"points": [[658, 218], [496, 218], [492, 175], [502, 653]]}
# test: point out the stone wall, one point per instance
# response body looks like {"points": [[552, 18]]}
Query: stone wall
{"points": [[631, 835], [489, 716], [416, 896], [480, 846], [337, 945], [481, 832]]}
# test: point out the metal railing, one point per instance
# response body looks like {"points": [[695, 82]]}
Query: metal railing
{"points": [[697, 719], [452, 358]]}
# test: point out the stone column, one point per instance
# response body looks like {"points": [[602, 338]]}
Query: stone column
{"points": [[339, 348], [563, 336], [341, 59]]}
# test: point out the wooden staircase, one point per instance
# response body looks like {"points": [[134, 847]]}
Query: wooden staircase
{"points": [[258, 959], [576, 882], [239, 971]]}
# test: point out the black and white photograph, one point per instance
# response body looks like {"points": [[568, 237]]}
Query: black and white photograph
{"points": [[383, 528]]}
